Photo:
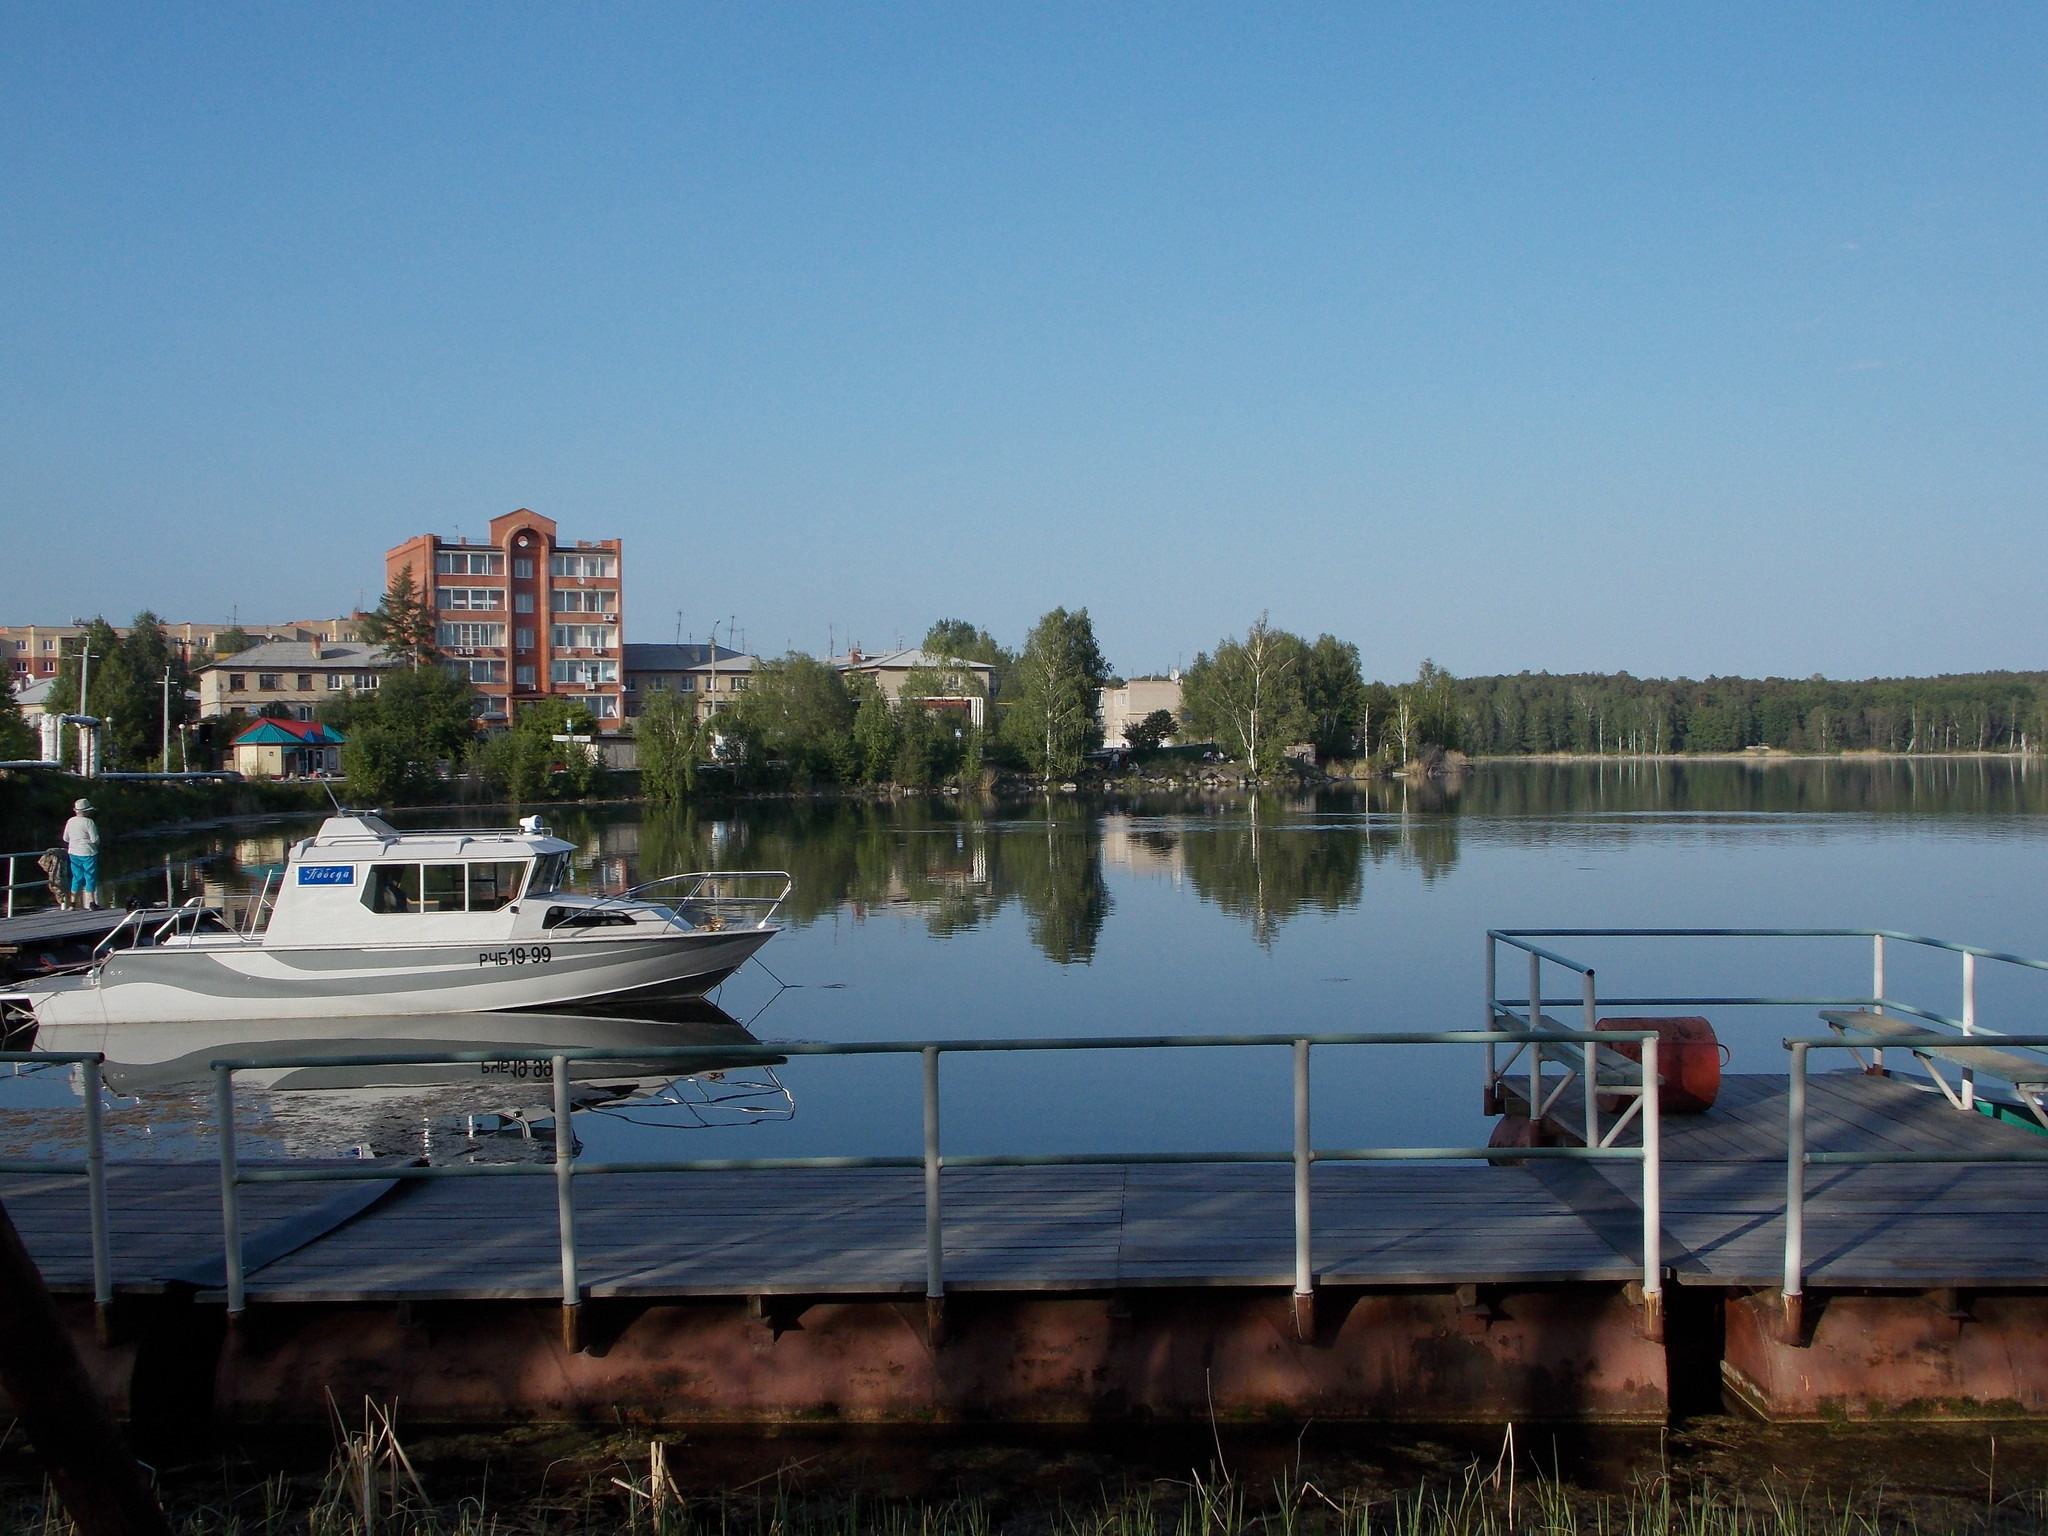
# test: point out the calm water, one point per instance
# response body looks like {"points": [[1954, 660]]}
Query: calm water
{"points": [[1353, 910]]}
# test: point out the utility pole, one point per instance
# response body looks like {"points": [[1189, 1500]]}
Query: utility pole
{"points": [[167, 720]]}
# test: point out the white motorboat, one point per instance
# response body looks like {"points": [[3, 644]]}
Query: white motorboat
{"points": [[367, 920]]}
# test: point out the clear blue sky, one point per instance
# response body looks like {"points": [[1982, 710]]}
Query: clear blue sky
{"points": [[1702, 339]]}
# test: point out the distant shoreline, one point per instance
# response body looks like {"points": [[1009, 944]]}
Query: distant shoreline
{"points": [[1746, 755]]}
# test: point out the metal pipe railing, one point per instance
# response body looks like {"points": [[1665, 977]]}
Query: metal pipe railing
{"points": [[1798, 1156], [93, 1169], [1302, 1155]]}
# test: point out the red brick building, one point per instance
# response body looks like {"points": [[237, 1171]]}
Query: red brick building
{"points": [[529, 616]]}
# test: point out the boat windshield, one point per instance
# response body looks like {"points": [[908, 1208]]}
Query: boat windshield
{"points": [[549, 871], [476, 886]]}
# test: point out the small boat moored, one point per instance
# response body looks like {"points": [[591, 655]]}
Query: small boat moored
{"points": [[367, 920]]}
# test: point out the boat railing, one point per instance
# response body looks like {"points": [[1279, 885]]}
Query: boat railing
{"points": [[714, 898], [1302, 1155], [1586, 1066], [89, 1066]]}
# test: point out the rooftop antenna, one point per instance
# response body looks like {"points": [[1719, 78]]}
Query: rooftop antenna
{"points": [[679, 626]]}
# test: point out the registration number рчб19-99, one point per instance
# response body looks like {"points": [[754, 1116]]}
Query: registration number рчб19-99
{"points": [[518, 954]]}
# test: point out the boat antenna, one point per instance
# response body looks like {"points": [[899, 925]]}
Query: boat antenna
{"points": [[339, 808]]}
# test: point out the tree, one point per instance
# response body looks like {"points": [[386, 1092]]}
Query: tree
{"points": [[403, 624], [124, 686], [1055, 682], [1333, 692], [798, 710], [1248, 695], [874, 733], [1432, 701], [669, 746], [1147, 734], [17, 741], [231, 641], [528, 763], [398, 736], [958, 640]]}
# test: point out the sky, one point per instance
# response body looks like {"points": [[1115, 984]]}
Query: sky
{"points": [[1677, 340]]}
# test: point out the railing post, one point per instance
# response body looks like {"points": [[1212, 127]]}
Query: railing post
{"points": [[1535, 1046], [565, 1210], [1592, 1064], [1653, 1195], [1492, 1101], [1304, 1241], [1969, 1025], [1793, 1322], [1877, 989], [230, 1188], [934, 1221], [10, 885], [96, 1196]]}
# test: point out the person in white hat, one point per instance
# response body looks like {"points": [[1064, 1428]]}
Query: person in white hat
{"points": [[82, 843]]}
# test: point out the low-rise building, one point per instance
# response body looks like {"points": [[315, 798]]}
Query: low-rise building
{"points": [[707, 675], [962, 685], [285, 749], [33, 651], [297, 674], [1126, 706]]}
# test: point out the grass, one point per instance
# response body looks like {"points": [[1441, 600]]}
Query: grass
{"points": [[371, 1485]]}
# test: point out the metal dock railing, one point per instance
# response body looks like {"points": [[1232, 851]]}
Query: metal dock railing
{"points": [[1302, 1155]]}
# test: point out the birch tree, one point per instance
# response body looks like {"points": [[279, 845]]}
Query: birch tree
{"points": [[1248, 695], [1055, 684]]}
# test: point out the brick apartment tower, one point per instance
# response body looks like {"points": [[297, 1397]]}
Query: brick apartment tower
{"points": [[529, 616]]}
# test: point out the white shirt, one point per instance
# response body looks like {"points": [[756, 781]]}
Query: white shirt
{"points": [[82, 837]]}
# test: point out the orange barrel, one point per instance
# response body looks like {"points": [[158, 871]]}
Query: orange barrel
{"points": [[1688, 1060]]}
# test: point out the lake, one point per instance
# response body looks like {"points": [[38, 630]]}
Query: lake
{"points": [[1345, 909]]}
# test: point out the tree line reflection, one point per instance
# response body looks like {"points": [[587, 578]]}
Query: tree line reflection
{"points": [[952, 864]]}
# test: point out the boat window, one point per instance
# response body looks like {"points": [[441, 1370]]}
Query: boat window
{"points": [[393, 888], [492, 886], [587, 917], [442, 888], [549, 871]]}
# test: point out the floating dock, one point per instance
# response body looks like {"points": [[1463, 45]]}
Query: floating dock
{"points": [[1443, 1293]]}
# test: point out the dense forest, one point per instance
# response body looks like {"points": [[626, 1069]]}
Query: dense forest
{"points": [[1601, 713]]}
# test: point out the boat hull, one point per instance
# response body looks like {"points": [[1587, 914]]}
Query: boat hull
{"points": [[249, 981]]}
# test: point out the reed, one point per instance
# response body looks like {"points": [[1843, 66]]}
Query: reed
{"points": [[371, 1487]]}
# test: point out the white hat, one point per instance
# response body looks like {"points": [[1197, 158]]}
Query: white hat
{"points": [[81, 806]]}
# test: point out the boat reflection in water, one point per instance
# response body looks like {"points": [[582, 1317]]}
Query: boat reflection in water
{"points": [[160, 1081]]}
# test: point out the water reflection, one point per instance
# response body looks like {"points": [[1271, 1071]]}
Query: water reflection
{"points": [[954, 863], [160, 1084]]}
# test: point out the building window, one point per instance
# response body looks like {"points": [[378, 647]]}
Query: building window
{"points": [[589, 637], [269, 682], [522, 569], [468, 636], [49, 645], [522, 602], [463, 562], [581, 600], [523, 676], [586, 673], [466, 599], [237, 681], [481, 671], [739, 682], [21, 645], [523, 639], [587, 567], [305, 682], [602, 706]]}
